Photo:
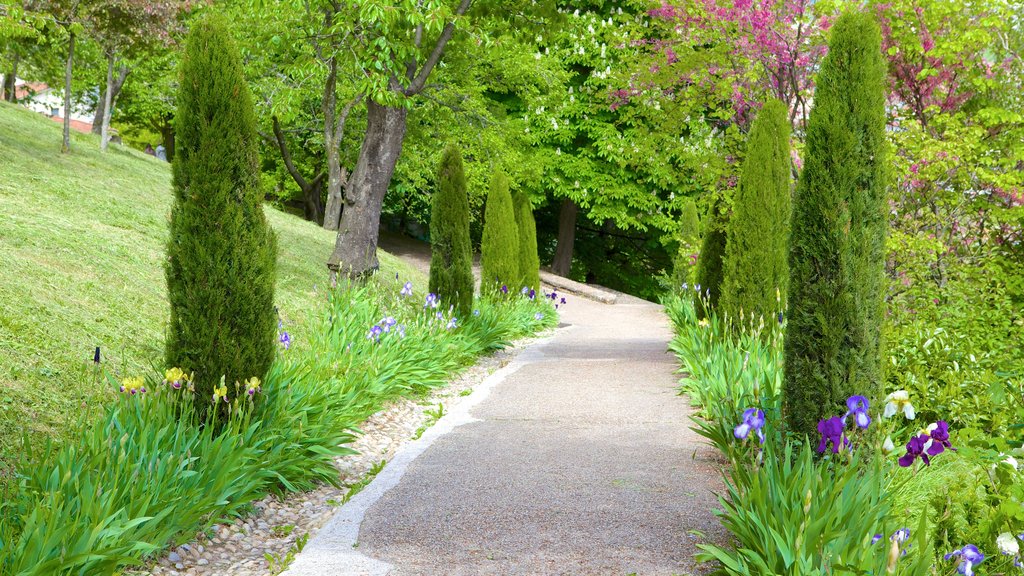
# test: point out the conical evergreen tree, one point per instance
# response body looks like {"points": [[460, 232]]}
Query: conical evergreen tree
{"points": [[756, 264], [709, 262], [451, 254], [837, 245], [499, 250], [529, 261], [221, 253], [689, 241]]}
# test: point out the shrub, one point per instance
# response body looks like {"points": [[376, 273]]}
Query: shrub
{"points": [[529, 261], [709, 263], [755, 268], [451, 254], [689, 239], [836, 256], [221, 253], [499, 251]]}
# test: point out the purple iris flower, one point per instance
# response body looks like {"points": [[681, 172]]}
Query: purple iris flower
{"points": [[969, 556], [432, 301], [554, 296], [286, 340], [858, 407], [940, 438], [476, 312], [387, 322], [504, 289], [533, 294], [876, 538], [753, 421], [525, 290], [406, 290], [538, 316], [375, 333], [563, 300], [832, 431], [452, 324], [401, 330], [915, 448], [901, 535]]}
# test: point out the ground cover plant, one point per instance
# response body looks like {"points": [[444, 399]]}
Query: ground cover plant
{"points": [[147, 473]]}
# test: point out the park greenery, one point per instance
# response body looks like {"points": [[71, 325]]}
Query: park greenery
{"points": [[827, 195]]}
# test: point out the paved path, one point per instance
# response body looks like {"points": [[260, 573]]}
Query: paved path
{"points": [[577, 458]]}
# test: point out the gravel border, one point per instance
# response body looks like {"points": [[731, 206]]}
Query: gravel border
{"points": [[260, 545]]}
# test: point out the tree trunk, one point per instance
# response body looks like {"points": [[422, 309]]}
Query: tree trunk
{"points": [[167, 136], [66, 145], [332, 214], [122, 76], [562, 262], [355, 251], [11, 79], [312, 204], [312, 207], [105, 122]]}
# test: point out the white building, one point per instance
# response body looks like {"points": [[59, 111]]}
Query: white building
{"points": [[48, 101]]}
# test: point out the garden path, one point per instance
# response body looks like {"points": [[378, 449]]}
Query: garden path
{"points": [[576, 458]]}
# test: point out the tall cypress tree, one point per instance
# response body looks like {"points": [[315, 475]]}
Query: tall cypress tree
{"points": [[709, 261], [221, 253], [756, 254], [836, 256], [689, 238], [451, 254], [529, 260], [499, 250]]}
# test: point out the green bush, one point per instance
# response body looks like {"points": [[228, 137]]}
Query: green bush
{"points": [[689, 240], [529, 261], [451, 254], [755, 268], [709, 262], [499, 250], [837, 248], [221, 253]]}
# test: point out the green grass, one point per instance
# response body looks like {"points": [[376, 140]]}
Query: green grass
{"points": [[81, 265]]}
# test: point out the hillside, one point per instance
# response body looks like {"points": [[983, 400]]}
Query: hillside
{"points": [[81, 265]]}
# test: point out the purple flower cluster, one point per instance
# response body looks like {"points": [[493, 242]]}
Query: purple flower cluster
{"points": [[932, 441], [833, 430], [969, 557], [432, 301], [753, 421], [386, 325], [406, 290]]}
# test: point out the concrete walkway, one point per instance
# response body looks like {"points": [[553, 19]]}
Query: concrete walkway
{"points": [[577, 458]]}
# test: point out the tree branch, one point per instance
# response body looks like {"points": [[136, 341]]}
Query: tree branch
{"points": [[435, 56], [287, 156]]}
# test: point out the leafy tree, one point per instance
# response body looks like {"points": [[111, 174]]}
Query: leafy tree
{"points": [[755, 268], [689, 240], [837, 247], [451, 254], [122, 28], [529, 261], [221, 252], [709, 262], [499, 251]]}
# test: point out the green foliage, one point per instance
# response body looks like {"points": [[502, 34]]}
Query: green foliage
{"points": [[529, 261], [755, 268], [689, 240], [221, 254], [709, 262], [837, 250], [499, 250], [451, 255]]}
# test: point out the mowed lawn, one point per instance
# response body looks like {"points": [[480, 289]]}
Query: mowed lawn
{"points": [[81, 265]]}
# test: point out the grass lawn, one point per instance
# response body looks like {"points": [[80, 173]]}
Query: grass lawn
{"points": [[81, 265]]}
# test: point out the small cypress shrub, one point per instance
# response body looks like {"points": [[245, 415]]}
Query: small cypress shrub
{"points": [[836, 255], [499, 250], [709, 262], [757, 252], [451, 254], [689, 240], [221, 253], [529, 261]]}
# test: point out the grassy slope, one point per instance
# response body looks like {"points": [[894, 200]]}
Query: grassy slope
{"points": [[81, 265]]}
